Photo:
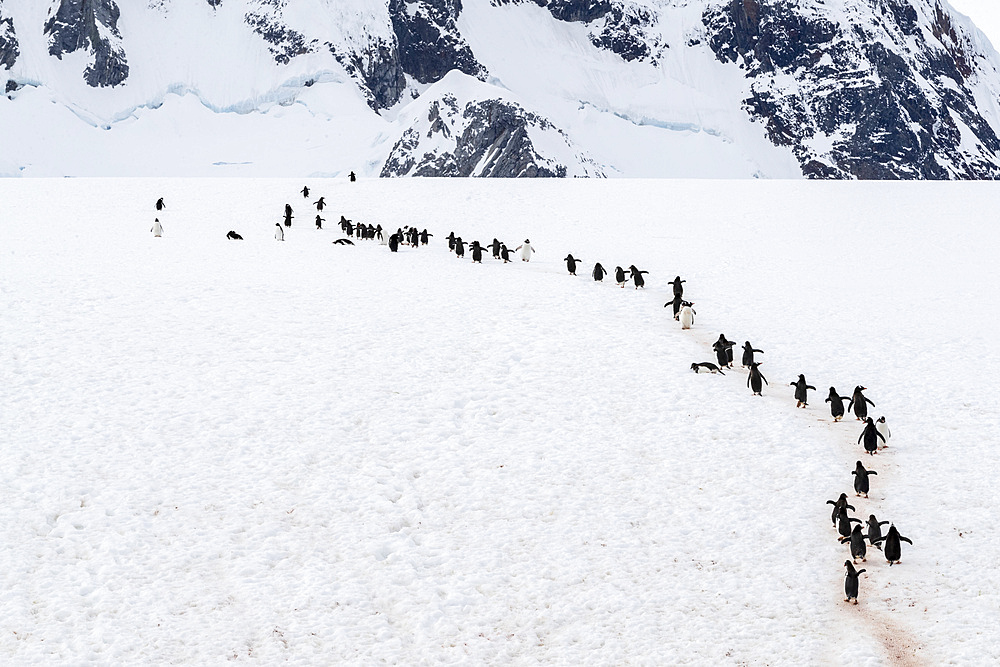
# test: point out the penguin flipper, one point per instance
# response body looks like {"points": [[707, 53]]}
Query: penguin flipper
{"points": [[809, 386], [872, 472], [905, 539]]}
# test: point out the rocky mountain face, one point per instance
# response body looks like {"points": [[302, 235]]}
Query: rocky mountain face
{"points": [[871, 89]]}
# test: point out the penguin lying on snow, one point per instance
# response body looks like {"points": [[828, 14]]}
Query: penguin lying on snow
{"points": [[851, 582], [343, 242], [707, 365], [233, 236]]}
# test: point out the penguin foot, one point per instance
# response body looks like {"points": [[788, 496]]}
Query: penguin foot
{"points": [[855, 601]]}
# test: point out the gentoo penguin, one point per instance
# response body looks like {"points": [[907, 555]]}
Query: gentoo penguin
{"points": [[637, 278], [687, 317], [352, 177], [279, 233], [851, 582], [801, 391], [319, 222], [859, 403], [157, 228], [526, 250], [754, 379], [620, 276], [599, 272], [495, 248], [840, 504], [477, 253], [504, 253], [892, 548], [883, 428], [305, 191], [844, 523], [748, 352], [451, 241], [346, 242], [233, 236], [160, 205], [870, 435], [571, 264], [677, 302], [425, 236], [724, 350], [857, 540], [320, 203], [678, 286], [378, 233], [288, 215], [459, 247], [836, 402], [393, 243], [861, 479], [875, 530], [707, 365]]}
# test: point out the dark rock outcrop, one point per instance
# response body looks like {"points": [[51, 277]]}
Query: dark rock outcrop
{"points": [[76, 25], [377, 70], [430, 44], [490, 138], [283, 42], [870, 100], [9, 50]]}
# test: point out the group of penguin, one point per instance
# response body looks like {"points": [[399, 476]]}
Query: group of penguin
{"points": [[872, 432], [683, 311]]}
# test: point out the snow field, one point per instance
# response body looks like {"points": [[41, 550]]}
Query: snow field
{"points": [[297, 451]]}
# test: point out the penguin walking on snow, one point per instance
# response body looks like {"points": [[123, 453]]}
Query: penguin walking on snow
{"points": [[279, 233], [677, 302], [861, 479], [425, 236], [288, 215], [637, 278], [352, 177], [836, 402], [495, 248], [305, 192], [320, 203], [851, 582], [859, 403], [620, 276], [678, 286], [157, 228], [571, 264], [599, 272], [892, 548], [526, 250], [319, 222], [724, 350], [801, 391], [459, 247], [875, 530], [857, 540], [839, 505], [870, 435], [160, 205], [451, 241], [393, 243], [477, 253], [504, 253], [844, 523], [687, 316], [754, 379], [748, 352], [883, 428]]}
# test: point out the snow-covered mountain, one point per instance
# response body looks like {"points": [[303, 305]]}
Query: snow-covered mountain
{"points": [[697, 88]]}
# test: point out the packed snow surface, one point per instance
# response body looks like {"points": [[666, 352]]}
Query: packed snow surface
{"points": [[301, 452]]}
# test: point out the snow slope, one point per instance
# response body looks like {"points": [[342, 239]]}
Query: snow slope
{"points": [[298, 451]]}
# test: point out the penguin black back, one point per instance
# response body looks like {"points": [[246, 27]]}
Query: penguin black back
{"points": [[599, 273], [851, 582]]}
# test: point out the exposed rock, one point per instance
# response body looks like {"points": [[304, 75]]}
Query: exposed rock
{"points": [[430, 44], [487, 138], [378, 71], [283, 42], [91, 25], [9, 50], [874, 99]]}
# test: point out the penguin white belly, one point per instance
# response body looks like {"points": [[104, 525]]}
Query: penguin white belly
{"points": [[686, 317]]}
